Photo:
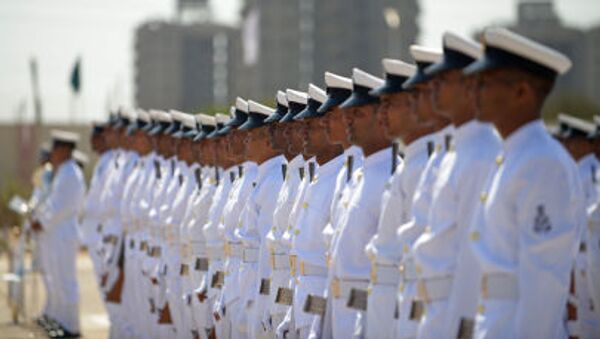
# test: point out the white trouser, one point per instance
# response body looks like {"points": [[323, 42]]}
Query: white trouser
{"points": [[45, 260], [433, 323], [380, 311], [64, 280], [406, 327], [343, 319]]}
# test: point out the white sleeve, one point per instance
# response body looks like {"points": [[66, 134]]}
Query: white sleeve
{"points": [[64, 200], [593, 252], [549, 216]]}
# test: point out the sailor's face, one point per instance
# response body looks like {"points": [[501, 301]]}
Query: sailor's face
{"points": [[238, 141], [295, 137], [395, 114], [493, 95], [360, 121], [335, 126], [447, 90], [423, 108], [314, 136]]}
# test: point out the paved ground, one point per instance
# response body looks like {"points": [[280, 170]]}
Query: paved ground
{"points": [[94, 322]]}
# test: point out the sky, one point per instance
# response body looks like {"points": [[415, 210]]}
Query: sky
{"points": [[57, 32]]}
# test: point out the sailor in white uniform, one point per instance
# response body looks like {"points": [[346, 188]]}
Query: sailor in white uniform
{"points": [[528, 225], [56, 217], [257, 217], [359, 219], [308, 246], [577, 136], [397, 119], [448, 277]]}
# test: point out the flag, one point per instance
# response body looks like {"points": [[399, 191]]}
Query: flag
{"points": [[76, 77]]}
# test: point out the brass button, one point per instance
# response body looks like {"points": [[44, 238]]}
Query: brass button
{"points": [[289, 227], [483, 196], [480, 309], [438, 147], [474, 236], [401, 287], [499, 160], [296, 231], [405, 249], [419, 269], [427, 229], [369, 290], [305, 205]]}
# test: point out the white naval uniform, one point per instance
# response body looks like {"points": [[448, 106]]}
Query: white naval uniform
{"points": [[188, 264], [308, 245], [442, 252], [227, 304], [198, 215], [143, 206], [58, 217], [287, 325], [112, 231], [410, 231], [525, 235], [349, 264], [587, 324], [593, 258], [136, 284], [39, 194], [132, 182], [185, 184], [89, 226], [215, 241], [258, 217], [279, 250], [171, 264], [157, 265], [341, 195], [383, 248]]}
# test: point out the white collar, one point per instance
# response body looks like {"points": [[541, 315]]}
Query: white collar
{"points": [[416, 147], [516, 138], [378, 157]]}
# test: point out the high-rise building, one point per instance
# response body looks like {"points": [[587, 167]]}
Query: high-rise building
{"points": [[298, 40], [183, 66]]}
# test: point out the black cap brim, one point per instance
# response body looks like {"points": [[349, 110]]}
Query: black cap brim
{"points": [[360, 97], [392, 84], [482, 65], [156, 130]]}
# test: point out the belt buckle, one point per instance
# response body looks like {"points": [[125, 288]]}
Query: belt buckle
{"points": [[227, 249], [336, 289], [485, 288], [293, 259], [422, 290], [374, 273]]}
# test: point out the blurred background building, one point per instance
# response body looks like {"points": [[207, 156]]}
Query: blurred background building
{"points": [[190, 63], [185, 63]]}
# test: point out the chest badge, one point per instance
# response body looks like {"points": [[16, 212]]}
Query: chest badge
{"points": [[541, 224]]}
